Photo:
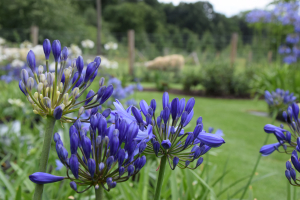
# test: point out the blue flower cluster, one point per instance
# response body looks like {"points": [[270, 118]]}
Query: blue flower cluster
{"points": [[165, 135], [284, 137], [110, 155], [279, 99], [290, 172], [12, 73], [285, 14]]}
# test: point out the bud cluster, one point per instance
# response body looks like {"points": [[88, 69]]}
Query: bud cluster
{"points": [[279, 99], [110, 155], [290, 172], [165, 134], [56, 93]]}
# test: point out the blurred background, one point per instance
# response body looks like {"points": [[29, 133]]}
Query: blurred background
{"points": [[224, 53]]}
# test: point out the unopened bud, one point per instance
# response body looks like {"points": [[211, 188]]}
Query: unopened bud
{"points": [[75, 92], [101, 82], [42, 78], [30, 83], [66, 99], [47, 102], [35, 112], [41, 96], [40, 87], [81, 111], [36, 95], [61, 86], [41, 69], [73, 63]]}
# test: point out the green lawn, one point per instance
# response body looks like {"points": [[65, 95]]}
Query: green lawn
{"points": [[244, 136]]}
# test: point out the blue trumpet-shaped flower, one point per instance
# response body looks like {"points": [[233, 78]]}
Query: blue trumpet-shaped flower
{"points": [[164, 133], [100, 156]]}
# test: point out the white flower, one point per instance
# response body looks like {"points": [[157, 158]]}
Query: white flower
{"points": [[17, 63], [75, 50], [2, 41], [16, 102], [111, 45], [108, 64], [87, 44], [52, 67], [38, 50], [26, 44]]}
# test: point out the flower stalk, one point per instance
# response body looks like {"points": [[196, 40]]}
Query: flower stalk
{"points": [[49, 126], [160, 180], [99, 193]]}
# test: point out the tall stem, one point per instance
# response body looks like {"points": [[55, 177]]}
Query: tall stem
{"points": [[99, 193], [160, 180], [258, 159], [49, 126], [288, 196]]}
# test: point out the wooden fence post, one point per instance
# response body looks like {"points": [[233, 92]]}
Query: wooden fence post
{"points": [[234, 41], [130, 36], [34, 30], [270, 55]]}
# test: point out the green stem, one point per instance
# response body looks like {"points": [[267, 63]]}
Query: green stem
{"points": [[99, 193], [295, 193], [162, 168], [258, 159], [288, 196], [49, 126]]}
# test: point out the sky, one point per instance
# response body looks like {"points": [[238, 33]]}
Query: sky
{"points": [[228, 7]]}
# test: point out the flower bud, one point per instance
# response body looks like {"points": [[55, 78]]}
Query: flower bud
{"points": [[31, 61], [56, 137], [47, 102], [56, 49], [189, 105], [137, 114], [156, 147], [106, 112], [57, 113], [189, 140], [30, 83], [142, 146], [42, 78], [74, 165], [90, 69], [91, 166], [109, 161], [166, 144], [175, 162], [40, 69], [101, 81], [47, 48], [73, 185], [64, 54], [287, 174], [100, 92], [108, 92], [199, 161], [101, 166], [22, 87], [74, 142], [86, 146], [40, 87], [121, 171], [81, 111], [130, 170], [79, 64], [89, 97], [43, 178], [24, 76], [97, 60]]}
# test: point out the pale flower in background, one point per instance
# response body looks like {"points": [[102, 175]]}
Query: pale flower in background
{"points": [[2, 41], [16, 102], [75, 50], [108, 64], [16, 63], [38, 51], [26, 44], [111, 46], [89, 44]]}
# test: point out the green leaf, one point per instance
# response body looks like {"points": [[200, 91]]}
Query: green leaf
{"points": [[212, 193], [7, 183], [19, 193]]}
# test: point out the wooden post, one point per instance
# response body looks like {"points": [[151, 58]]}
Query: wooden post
{"points": [[250, 55], [98, 27], [270, 55], [34, 30], [131, 50], [234, 41]]}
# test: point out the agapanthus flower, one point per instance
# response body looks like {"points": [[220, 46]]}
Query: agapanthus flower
{"points": [[279, 99], [164, 133], [290, 59], [258, 16], [290, 172], [292, 38], [103, 156], [57, 93], [289, 140], [284, 50]]}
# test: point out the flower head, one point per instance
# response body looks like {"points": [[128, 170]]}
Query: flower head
{"points": [[57, 93], [164, 133], [102, 156]]}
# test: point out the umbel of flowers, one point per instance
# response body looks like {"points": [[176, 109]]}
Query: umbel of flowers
{"points": [[165, 135], [101, 158], [286, 13], [56, 93], [279, 100]]}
